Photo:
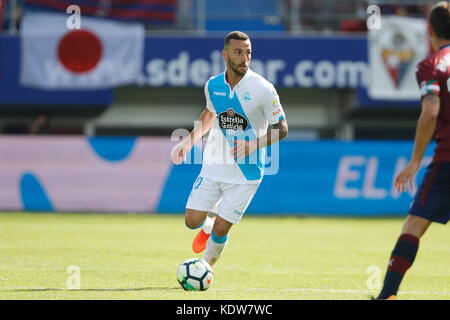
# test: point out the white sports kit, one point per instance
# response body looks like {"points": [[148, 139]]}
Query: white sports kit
{"points": [[244, 112]]}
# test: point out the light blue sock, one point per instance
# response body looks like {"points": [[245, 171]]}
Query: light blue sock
{"points": [[218, 239]]}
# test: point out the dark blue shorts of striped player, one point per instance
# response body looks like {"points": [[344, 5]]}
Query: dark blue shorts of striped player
{"points": [[432, 200]]}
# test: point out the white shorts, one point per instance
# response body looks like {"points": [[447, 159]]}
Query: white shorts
{"points": [[228, 200]]}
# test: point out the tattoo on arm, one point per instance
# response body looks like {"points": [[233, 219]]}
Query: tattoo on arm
{"points": [[277, 131]]}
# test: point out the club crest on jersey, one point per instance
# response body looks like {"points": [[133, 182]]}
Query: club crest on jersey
{"points": [[231, 120], [246, 96], [397, 56]]}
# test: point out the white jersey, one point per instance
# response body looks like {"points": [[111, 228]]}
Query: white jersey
{"points": [[243, 112]]}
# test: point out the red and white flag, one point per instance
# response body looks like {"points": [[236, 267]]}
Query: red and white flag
{"points": [[101, 54]]}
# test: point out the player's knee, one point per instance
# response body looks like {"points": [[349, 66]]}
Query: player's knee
{"points": [[415, 226], [221, 227], [192, 220], [189, 222]]}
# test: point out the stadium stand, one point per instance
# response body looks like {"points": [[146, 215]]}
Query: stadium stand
{"points": [[253, 15], [147, 11]]}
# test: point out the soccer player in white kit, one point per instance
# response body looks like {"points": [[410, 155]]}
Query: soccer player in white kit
{"points": [[244, 115]]}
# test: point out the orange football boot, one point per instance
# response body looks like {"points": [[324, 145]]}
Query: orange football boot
{"points": [[391, 297], [199, 243]]}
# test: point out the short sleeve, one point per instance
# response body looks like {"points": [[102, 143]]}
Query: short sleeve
{"points": [[427, 79], [209, 104], [272, 108]]}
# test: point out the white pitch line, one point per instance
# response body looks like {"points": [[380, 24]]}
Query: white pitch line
{"points": [[272, 289], [331, 291]]}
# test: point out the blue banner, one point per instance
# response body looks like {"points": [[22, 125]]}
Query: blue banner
{"points": [[319, 178], [180, 61], [307, 62]]}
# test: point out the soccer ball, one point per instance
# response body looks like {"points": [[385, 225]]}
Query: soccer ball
{"points": [[195, 275]]}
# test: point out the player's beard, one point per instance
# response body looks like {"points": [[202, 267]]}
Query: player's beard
{"points": [[235, 67]]}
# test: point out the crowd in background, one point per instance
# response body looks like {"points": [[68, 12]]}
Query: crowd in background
{"points": [[350, 15], [312, 15]]}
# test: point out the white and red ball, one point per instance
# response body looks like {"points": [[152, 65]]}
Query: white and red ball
{"points": [[195, 275]]}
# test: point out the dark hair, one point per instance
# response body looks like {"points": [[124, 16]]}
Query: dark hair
{"points": [[237, 35], [439, 19]]}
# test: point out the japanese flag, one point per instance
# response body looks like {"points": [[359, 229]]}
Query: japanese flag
{"points": [[101, 54]]}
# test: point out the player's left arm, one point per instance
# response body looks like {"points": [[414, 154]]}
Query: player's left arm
{"points": [[277, 130]]}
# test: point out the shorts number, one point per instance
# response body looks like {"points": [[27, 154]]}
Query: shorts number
{"points": [[198, 182]]}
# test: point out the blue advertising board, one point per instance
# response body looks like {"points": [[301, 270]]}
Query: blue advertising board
{"points": [[188, 60], [319, 178], [135, 174], [307, 62]]}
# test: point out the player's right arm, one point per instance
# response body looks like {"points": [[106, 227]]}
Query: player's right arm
{"points": [[430, 90], [424, 133], [202, 126]]}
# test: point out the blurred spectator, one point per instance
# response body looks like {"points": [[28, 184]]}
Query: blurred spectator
{"points": [[312, 15], [40, 125], [14, 128], [353, 25], [348, 15], [358, 23], [10, 14], [154, 14], [3, 23]]}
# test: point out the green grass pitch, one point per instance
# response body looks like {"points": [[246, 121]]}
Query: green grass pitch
{"points": [[136, 257]]}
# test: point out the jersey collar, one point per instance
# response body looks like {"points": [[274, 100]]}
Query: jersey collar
{"points": [[444, 46], [246, 75]]}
